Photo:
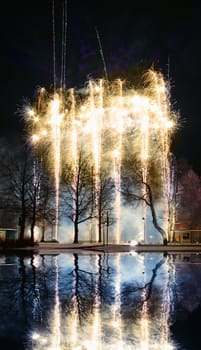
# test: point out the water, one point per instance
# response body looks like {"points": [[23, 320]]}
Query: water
{"points": [[85, 301]]}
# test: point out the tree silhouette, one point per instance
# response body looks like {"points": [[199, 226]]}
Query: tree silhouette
{"points": [[135, 190], [77, 192]]}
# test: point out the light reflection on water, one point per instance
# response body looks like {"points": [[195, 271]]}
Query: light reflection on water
{"points": [[120, 301]]}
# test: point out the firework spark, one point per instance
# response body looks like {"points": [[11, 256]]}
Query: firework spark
{"points": [[104, 120]]}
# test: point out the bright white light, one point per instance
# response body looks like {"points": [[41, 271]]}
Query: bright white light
{"points": [[36, 119], [35, 336], [116, 153], [44, 132], [31, 112], [134, 253], [35, 138]]}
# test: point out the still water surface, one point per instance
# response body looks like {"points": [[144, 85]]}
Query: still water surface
{"points": [[85, 301]]}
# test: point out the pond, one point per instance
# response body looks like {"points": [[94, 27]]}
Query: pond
{"points": [[84, 301]]}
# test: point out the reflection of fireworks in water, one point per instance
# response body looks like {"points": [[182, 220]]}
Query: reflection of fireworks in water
{"points": [[148, 339], [144, 321], [102, 123], [56, 323], [116, 309], [105, 325], [96, 341]]}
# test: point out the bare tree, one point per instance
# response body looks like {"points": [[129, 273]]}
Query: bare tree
{"points": [[41, 195], [19, 175], [133, 183], [104, 206], [28, 190], [77, 192], [45, 208]]}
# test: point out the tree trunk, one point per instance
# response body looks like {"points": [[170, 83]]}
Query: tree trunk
{"points": [[32, 230], [22, 227], [33, 216], [76, 232], [154, 218], [99, 226], [43, 230]]}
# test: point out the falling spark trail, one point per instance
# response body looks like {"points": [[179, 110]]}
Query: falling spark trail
{"points": [[117, 166], [172, 200], [144, 160], [117, 203], [107, 123], [102, 55], [55, 121], [64, 38], [54, 49], [96, 114]]}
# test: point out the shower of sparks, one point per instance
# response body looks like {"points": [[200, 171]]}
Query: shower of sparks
{"points": [[104, 120], [55, 122]]}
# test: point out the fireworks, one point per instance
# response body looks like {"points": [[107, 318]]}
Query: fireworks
{"points": [[106, 120]]}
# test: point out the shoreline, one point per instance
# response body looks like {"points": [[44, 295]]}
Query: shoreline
{"points": [[124, 247], [58, 248]]}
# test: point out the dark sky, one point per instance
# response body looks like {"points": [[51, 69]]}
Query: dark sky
{"points": [[133, 37]]}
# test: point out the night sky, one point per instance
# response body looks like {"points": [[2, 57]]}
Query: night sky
{"points": [[133, 36]]}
